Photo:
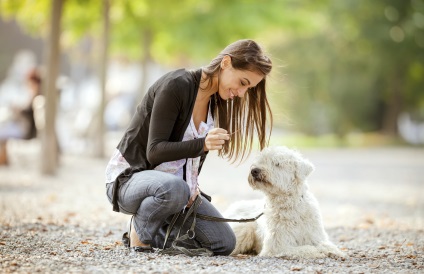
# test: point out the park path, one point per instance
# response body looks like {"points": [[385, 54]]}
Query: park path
{"points": [[370, 198]]}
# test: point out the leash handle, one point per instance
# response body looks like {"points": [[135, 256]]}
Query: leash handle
{"points": [[191, 211]]}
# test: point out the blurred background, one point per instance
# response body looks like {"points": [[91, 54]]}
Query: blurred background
{"points": [[346, 73]]}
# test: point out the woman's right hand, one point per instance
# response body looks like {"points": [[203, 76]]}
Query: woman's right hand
{"points": [[215, 139]]}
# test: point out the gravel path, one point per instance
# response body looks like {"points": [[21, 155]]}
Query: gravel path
{"points": [[372, 203]]}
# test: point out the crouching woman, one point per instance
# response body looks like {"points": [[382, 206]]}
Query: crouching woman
{"points": [[153, 173]]}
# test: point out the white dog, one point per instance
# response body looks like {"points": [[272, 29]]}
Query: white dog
{"points": [[291, 225]]}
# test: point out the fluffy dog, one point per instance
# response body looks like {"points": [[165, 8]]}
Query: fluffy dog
{"points": [[291, 226]]}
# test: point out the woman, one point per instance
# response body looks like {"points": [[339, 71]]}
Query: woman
{"points": [[22, 124], [153, 173]]}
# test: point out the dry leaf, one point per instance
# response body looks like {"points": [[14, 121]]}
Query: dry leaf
{"points": [[296, 268], [242, 256], [375, 265]]}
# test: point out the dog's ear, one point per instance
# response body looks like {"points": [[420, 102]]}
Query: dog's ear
{"points": [[303, 169]]}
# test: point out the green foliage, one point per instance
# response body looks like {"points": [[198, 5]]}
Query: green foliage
{"points": [[32, 14], [341, 66], [360, 70]]}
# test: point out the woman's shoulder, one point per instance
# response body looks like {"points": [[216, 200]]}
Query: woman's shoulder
{"points": [[176, 80], [183, 76]]}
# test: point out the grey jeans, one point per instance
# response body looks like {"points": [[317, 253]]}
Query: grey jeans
{"points": [[154, 196]]}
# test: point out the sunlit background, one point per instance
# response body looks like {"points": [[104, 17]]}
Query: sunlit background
{"points": [[345, 72]]}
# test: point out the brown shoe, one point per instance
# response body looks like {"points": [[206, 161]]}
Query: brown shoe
{"points": [[126, 240]]}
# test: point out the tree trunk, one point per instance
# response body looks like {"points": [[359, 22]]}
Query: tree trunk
{"points": [[393, 104], [49, 138], [103, 65]]}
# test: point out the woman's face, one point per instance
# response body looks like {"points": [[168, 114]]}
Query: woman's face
{"points": [[234, 82]]}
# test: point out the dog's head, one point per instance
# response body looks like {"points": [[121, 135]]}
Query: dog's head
{"points": [[279, 169]]}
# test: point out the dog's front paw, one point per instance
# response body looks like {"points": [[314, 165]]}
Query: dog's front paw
{"points": [[336, 254], [333, 251]]}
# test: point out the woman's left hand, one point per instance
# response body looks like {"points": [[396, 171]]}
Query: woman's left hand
{"points": [[216, 139]]}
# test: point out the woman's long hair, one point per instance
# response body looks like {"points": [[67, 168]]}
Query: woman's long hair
{"points": [[242, 117]]}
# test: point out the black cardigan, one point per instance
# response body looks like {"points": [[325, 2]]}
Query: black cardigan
{"points": [[157, 128]]}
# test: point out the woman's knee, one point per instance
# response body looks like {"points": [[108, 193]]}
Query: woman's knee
{"points": [[228, 245], [173, 190]]}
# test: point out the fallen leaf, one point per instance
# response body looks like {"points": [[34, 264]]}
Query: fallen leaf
{"points": [[375, 266], [296, 268], [242, 256]]}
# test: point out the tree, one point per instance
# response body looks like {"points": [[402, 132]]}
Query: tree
{"points": [[360, 69], [49, 141]]}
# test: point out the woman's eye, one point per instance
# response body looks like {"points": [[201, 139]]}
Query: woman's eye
{"points": [[242, 83]]}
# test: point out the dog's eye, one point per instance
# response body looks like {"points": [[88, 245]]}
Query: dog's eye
{"points": [[277, 164]]}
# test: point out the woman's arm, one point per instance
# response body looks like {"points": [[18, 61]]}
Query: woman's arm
{"points": [[167, 107]]}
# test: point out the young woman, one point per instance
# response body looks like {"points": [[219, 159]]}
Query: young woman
{"points": [[153, 173]]}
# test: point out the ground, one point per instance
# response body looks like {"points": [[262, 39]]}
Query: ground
{"points": [[372, 201]]}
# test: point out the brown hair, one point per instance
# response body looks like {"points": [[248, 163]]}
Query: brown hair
{"points": [[34, 76], [241, 117]]}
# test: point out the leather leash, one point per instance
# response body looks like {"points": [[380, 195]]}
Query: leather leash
{"points": [[174, 249]]}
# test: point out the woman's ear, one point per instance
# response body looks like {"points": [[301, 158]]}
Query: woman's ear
{"points": [[226, 62]]}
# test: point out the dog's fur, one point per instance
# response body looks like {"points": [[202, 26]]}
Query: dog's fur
{"points": [[291, 226]]}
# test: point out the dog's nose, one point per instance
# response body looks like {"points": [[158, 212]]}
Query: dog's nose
{"points": [[255, 172]]}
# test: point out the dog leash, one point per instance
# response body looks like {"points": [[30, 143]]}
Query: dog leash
{"points": [[190, 234], [217, 219]]}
